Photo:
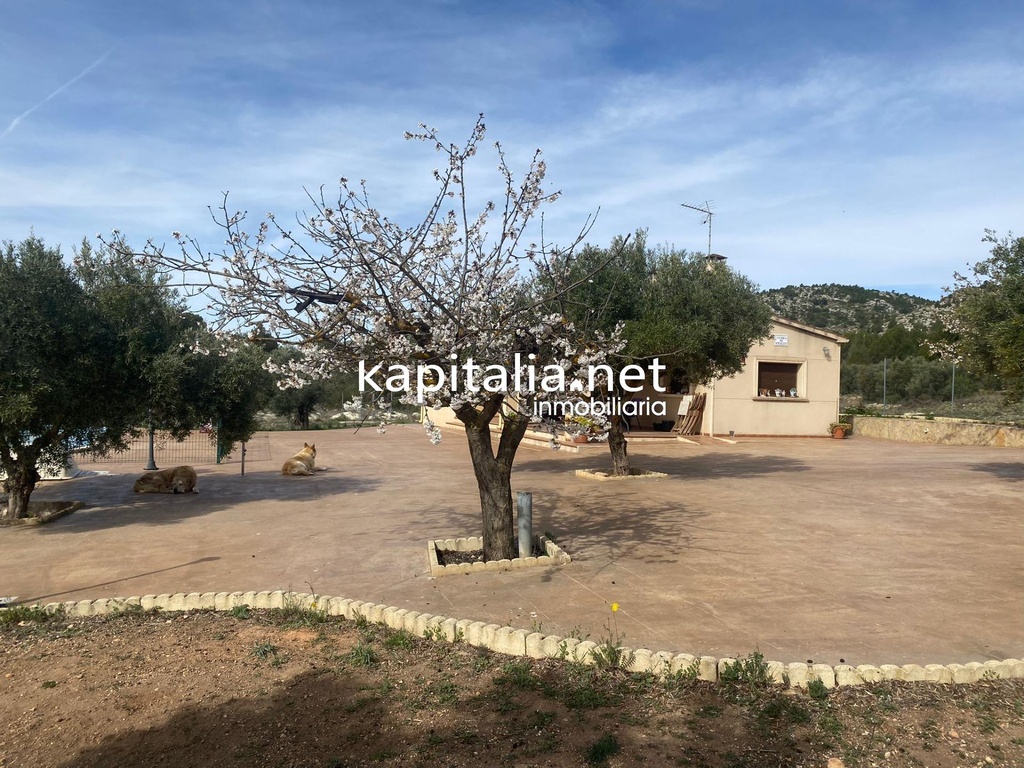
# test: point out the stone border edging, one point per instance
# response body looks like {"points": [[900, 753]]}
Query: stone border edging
{"points": [[634, 474], [555, 555], [521, 642]]}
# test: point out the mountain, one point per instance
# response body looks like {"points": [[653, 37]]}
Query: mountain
{"points": [[849, 308]]}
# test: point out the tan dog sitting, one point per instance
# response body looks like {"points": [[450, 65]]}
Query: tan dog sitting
{"points": [[173, 480], [302, 463]]}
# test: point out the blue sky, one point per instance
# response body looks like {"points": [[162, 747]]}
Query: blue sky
{"points": [[852, 142]]}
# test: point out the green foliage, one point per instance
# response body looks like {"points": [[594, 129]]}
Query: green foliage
{"points": [[779, 707], [895, 343], [363, 655], [68, 372], [400, 640], [611, 655], [94, 351], [909, 380], [581, 687], [985, 317], [609, 284], [299, 405], [700, 319], [519, 675], [751, 670], [265, 651], [605, 747], [18, 614], [817, 690], [434, 633], [296, 614]]}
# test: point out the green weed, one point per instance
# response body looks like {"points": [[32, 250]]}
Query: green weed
{"points": [[605, 747], [264, 651], [517, 674], [751, 670], [816, 690], [400, 640], [16, 614], [295, 614], [363, 655]]}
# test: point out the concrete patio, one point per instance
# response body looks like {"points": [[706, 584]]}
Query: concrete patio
{"points": [[859, 551]]}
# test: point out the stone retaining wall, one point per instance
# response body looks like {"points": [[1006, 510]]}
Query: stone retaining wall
{"points": [[521, 642], [941, 431]]}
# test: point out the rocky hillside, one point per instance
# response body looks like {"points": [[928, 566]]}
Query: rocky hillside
{"points": [[848, 308]]}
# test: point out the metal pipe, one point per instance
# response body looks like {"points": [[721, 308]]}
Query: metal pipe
{"points": [[151, 463], [524, 510]]}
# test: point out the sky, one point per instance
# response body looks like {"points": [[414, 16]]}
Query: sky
{"points": [[866, 142]]}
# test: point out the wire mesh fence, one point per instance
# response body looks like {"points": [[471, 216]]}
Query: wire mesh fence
{"points": [[257, 448], [197, 448]]}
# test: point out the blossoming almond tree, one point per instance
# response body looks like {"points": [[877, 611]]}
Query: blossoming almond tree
{"points": [[352, 285]]}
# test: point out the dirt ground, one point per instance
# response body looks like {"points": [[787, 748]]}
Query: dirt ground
{"points": [[295, 688]]}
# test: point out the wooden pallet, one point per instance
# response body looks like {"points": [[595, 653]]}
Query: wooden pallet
{"points": [[690, 423]]}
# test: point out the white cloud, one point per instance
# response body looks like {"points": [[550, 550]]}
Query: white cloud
{"points": [[864, 165]]}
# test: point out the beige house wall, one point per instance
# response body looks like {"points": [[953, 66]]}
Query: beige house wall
{"points": [[736, 406]]}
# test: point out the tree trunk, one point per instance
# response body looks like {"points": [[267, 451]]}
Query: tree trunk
{"points": [[21, 481], [494, 476], [617, 446]]}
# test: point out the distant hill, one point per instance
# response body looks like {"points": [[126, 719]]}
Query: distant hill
{"points": [[849, 308]]}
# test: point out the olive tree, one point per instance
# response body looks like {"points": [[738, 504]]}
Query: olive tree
{"points": [[94, 351], [699, 318], [66, 376], [983, 314]]}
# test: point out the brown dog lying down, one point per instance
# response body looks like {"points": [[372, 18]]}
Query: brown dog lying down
{"points": [[302, 463], [173, 480]]}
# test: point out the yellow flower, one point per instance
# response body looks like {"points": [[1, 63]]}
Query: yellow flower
{"points": [[615, 607]]}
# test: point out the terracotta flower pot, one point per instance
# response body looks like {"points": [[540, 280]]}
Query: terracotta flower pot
{"points": [[839, 433]]}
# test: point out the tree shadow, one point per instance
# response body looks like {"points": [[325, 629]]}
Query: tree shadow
{"points": [[625, 525], [316, 720], [1004, 470], [110, 501], [333, 717], [704, 465], [654, 521], [41, 598]]}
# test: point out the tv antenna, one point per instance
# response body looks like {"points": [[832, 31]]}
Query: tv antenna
{"points": [[708, 213]]}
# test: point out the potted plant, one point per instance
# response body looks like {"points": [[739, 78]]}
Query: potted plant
{"points": [[580, 429], [840, 429]]}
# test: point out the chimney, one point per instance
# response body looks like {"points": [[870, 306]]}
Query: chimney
{"points": [[714, 260]]}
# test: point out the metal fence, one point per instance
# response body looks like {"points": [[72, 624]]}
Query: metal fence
{"points": [[257, 448], [197, 448]]}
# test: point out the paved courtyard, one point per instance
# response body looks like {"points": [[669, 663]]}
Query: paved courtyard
{"points": [[858, 551]]}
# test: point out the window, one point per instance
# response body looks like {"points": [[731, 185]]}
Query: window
{"points": [[779, 379]]}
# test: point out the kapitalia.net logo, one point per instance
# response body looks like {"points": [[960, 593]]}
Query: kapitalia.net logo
{"points": [[524, 377]]}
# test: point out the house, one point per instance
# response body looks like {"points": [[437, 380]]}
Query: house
{"points": [[788, 386]]}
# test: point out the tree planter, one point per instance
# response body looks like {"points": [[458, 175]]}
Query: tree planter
{"points": [[634, 474], [554, 555]]}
